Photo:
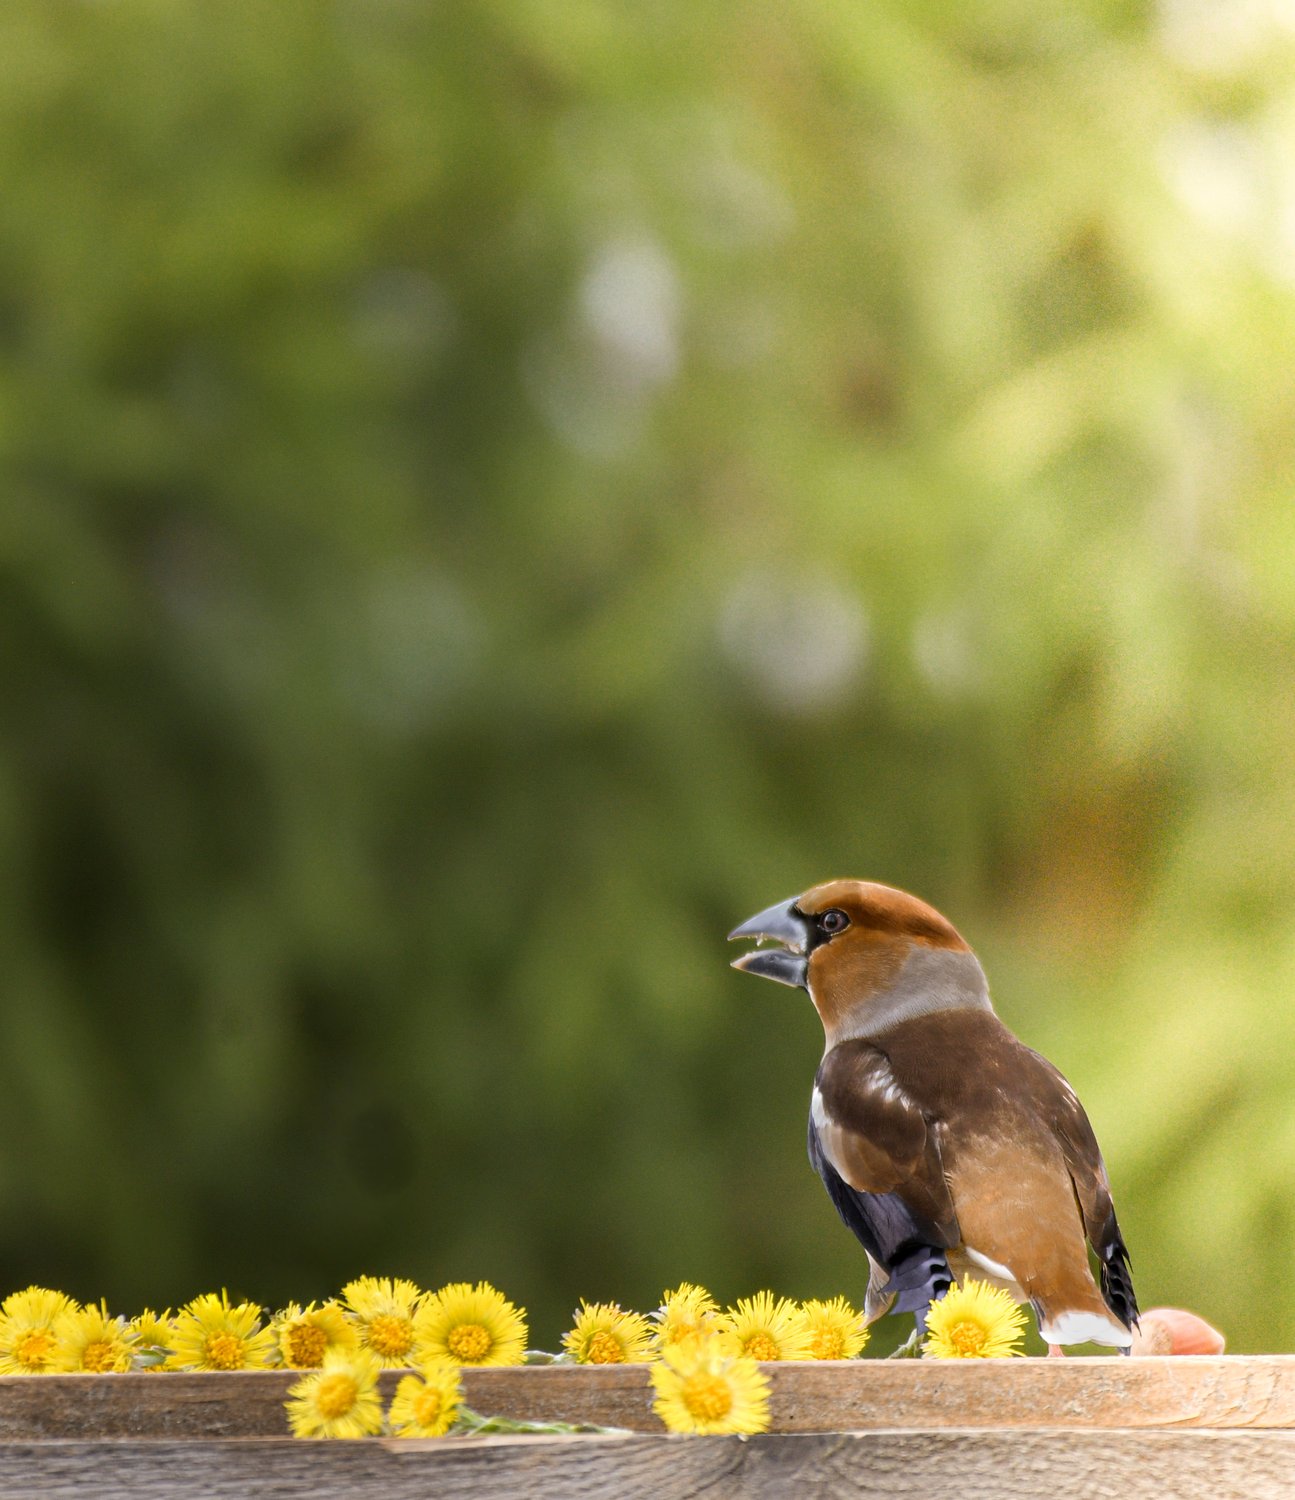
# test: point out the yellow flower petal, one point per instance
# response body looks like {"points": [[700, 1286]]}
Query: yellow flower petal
{"points": [[384, 1309], [210, 1334], [306, 1335], [426, 1404], [604, 1334], [28, 1343], [685, 1313], [701, 1386], [470, 1325], [339, 1400], [90, 1341], [153, 1334], [768, 1327], [974, 1320], [836, 1330]]}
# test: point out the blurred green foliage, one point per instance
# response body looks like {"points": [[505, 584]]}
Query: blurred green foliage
{"points": [[494, 493]]}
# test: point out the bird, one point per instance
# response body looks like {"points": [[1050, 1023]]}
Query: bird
{"points": [[948, 1147]]}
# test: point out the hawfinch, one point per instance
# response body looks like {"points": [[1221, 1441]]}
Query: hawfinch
{"points": [[948, 1147]]}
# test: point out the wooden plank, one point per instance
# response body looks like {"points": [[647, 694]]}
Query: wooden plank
{"points": [[971, 1464], [833, 1397], [1223, 1392]]}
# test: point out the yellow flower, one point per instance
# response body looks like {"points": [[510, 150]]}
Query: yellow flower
{"points": [[685, 1313], [769, 1328], [339, 1400], [27, 1339], [425, 1405], [385, 1310], [209, 1334], [836, 1330], [153, 1333], [974, 1321], [88, 1339], [306, 1335], [470, 1326], [702, 1386], [606, 1335]]}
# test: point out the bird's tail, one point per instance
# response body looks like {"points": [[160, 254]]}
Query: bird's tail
{"points": [[1117, 1281], [1082, 1326]]}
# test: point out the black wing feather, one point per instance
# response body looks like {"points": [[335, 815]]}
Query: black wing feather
{"points": [[1113, 1271], [910, 1252]]}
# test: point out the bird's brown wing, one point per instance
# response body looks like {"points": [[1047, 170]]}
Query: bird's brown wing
{"points": [[1057, 1102], [878, 1141]]}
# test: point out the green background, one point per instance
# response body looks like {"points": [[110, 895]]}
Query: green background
{"points": [[495, 493]]}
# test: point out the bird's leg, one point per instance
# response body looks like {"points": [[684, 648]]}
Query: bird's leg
{"points": [[912, 1347], [1055, 1351]]}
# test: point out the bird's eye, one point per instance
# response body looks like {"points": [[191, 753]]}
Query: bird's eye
{"points": [[833, 921]]}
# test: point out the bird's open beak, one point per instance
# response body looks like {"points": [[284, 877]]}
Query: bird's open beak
{"points": [[783, 924]]}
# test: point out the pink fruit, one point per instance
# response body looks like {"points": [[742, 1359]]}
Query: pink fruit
{"points": [[1171, 1330]]}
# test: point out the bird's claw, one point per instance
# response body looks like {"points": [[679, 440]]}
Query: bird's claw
{"points": [[912, 1349]]}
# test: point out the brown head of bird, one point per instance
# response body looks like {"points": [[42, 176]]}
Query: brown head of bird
{"points": [[869, 955]]}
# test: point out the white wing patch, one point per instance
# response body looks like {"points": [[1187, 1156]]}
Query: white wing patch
{"points": [[890, 1091], [985, 1264]]}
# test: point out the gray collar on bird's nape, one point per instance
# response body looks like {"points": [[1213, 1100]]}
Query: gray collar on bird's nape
{"points": [[930, 980]]}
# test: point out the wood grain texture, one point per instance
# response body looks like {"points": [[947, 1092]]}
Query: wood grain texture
{"points": [[972, 1464], [1222, 1392]]}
